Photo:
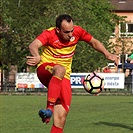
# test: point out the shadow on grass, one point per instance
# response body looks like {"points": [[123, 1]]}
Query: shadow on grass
{"points": [[114, 125]]}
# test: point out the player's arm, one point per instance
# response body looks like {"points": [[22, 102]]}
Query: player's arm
{"points": [[34, 50], [128, 60], [97, 45]]}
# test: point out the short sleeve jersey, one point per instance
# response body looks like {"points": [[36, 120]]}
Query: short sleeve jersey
{"points": [[58, 51]]}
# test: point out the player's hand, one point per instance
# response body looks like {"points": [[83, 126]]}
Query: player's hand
{"points": [[131, 61], [33, 60], [114, 58]]}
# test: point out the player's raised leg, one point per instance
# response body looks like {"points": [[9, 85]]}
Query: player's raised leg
{"points": [[55, 85], [54, 88]]}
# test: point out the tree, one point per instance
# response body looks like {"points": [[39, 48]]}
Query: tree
{"points": [[124, 45], [23, 19], [27, 19], [123, 40]]}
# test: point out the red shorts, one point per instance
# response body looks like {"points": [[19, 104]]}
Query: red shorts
{"points": [[44, 74]]}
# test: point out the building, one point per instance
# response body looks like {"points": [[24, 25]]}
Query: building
{"points": [[122, 37], [124, 31]]}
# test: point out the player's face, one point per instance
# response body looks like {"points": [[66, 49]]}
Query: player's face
{"points": [[66, 30]]}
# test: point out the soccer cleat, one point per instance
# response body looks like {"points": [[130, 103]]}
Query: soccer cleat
{"points": [[45, 115]]}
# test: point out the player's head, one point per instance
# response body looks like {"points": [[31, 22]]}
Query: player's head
{"points": [[64, 26]]}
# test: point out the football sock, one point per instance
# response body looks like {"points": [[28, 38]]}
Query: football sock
{"points": [[55, 129], [53, 91]]}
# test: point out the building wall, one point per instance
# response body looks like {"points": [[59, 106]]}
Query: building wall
{"points": [[129, 15], [126, 42], [128, 45]]}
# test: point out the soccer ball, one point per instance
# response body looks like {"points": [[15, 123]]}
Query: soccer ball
{"points": [[93, 83]]}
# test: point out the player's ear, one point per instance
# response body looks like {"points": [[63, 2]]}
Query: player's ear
{"points": [[57, 30]]}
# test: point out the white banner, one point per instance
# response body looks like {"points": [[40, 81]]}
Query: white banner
{"points": [[28, 80], [111, 80], [114, 80]]}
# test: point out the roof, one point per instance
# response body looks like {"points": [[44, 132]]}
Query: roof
{"points": [[122, 5]]}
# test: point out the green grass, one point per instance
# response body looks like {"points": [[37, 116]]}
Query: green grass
{"points": [[88, 114]]}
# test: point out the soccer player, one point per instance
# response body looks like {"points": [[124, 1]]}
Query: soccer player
{"points": [[54, 66]]}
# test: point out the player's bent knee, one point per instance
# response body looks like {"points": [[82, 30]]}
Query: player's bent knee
{"points": [[59, 71]]}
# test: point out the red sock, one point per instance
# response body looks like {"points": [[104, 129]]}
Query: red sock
{"points": [[55, 129], [53, 91]]}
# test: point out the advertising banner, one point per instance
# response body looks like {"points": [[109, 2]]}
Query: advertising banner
{"points": [[28, 80], [111, 80]]}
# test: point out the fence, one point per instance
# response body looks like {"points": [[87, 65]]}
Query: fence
{"points": [[11, 87]]}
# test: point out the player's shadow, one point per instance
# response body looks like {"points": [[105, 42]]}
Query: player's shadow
{"points": [[114, 125]]}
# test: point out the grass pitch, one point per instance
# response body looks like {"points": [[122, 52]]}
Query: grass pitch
{"points": [[88, 114]]}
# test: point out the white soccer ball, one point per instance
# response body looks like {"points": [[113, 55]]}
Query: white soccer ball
{"points": [[93, 83]]}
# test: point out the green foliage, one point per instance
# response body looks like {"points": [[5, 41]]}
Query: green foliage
{"points": [[23, 19], [27, 19]]}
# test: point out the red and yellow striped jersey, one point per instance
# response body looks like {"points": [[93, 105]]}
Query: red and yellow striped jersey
{"points": [[59, 52]]}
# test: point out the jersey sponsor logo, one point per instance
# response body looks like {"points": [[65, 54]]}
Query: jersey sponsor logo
{"points": [[64, 56]]}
